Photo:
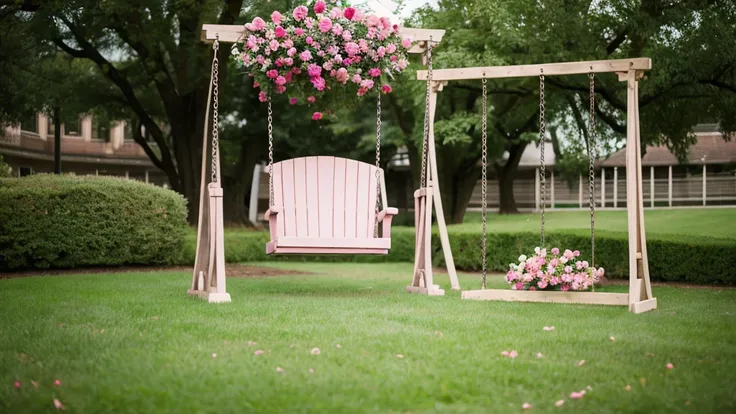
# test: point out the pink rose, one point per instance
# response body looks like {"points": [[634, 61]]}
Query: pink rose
{"points": [[362, 91], [532, 288], [391, 48], [314, 70], [371, 33], [288, 44], [292, 101], [386, 88], [396, 28], [554, 262], [347, 36], [406, 42], [366, 83], [349, 13], [342, 75], [337, 30], [298, 31], [256, 84], [276, 17], [327, 65], [258, 24], [333, 50], [386, 23], [300, 13], [279, 32], [311, 99], [394, 58], [288, 61], [309, 40], [316, 116], [279, 89], [519, 286], [381, 51], [542, 284], [274, 45], [309, 22], [319, 6], [351, 48], [318, 83], [272, 74], [576, 253], [291, 52], [335, 13], [305, 56], [358, 16], [325, 24], [262, 96], [260, 59], [356, 79], [280, 80], [363, 45], [296, 71], [375, 72], [321, 53]]}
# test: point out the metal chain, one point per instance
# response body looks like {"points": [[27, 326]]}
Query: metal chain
{"points": [[425, 138], [215, 114], [378, 163], [484, 183], [270, 153], [542, 131], [591, 157]]}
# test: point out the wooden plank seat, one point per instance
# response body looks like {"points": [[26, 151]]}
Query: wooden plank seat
{"points": [[327, 205]]}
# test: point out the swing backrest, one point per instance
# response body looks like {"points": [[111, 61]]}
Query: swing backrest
{"points": [[326, 197]]}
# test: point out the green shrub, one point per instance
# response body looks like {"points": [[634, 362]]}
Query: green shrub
{"points": [[671, 258], [68, 221]]}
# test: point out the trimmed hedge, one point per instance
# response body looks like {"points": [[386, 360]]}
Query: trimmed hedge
{"points": [[671, 258], [53, 221]]}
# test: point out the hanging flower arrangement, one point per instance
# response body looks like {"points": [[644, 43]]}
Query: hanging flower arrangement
{"points": [[317, 48], [553, 271]]}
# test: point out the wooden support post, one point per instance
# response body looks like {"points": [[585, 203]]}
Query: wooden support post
{"points": [[669, 187], [426, 199], [615, 187], [651, 186], [146, 176], [640, 289], [603, 187], [254, 194]]}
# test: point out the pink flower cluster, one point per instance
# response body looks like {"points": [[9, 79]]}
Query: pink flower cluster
{"points": [[317, 47], [553, 271]]}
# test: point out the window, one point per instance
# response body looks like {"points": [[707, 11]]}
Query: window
{"points": [[29, 124], [100, 130], [72, 125], [25, 171], [128, 131]]}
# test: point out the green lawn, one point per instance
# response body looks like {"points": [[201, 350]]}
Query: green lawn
{"points": [[713, 222], [155, 353]]}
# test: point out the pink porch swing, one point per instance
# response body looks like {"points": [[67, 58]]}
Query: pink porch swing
{"points": [[327, 205]]}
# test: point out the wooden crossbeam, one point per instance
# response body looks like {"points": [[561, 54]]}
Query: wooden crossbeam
{"points": [[548, 69], [232, 33]]}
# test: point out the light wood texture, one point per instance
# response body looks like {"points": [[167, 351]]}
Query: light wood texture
{"points": [[549, 69], [644, 306], [233, 33], [329, 207], [545, 296]]}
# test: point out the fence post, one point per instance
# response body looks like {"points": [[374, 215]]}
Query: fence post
{"points": [[615, 187], [146, 176], [669, 187], [704, 183], [536, 189], [651, 185], [603, 187]]}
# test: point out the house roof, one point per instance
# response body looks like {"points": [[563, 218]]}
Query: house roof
{"points": [[710, 148]]}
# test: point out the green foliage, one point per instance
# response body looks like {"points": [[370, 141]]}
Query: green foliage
{"points": [[49, 221], [671, 258], [5, 170]]}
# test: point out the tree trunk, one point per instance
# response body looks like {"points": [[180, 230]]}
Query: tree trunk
{"points": [[506, 175], [463, 187]]}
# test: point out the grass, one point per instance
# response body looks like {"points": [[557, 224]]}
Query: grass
{"points": [[155, 354], [710, 222]]}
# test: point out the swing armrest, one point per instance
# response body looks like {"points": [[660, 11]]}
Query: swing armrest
{"points": [[387, 213], [272, 212]]}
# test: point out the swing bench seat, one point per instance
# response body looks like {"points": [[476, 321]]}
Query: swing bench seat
{"points": [[327, 205]]}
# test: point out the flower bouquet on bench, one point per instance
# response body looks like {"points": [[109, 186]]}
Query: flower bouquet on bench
{"points": [[553, 271]]}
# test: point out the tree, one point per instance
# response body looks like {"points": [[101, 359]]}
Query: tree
{"points": [[680, 92]]}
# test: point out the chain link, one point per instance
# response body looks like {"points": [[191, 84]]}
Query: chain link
{"points": [[215, 114], [591, 156], [484, 182], [542, 132], [425, 138], [378, 163], [270, 153]]}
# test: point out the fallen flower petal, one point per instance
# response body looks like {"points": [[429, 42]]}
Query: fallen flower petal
{"points": [[399, 356], [548, 328], [315, 351], [505, 353], [311, 371], [214, 355], [258, 352], [581, 363], [57, 382], [35, 384], [610, 338], [576, 395], [513, 354], [589, 388], [559, 403], [526, 406], [627, 387], [539, 355], [338, 346], [279, 369], [251, 343], [17, 384], [58, 405], [669, 365]]}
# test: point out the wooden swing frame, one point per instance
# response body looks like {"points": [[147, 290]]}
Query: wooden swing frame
{"points": [[208, 276], [639, 299]]}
